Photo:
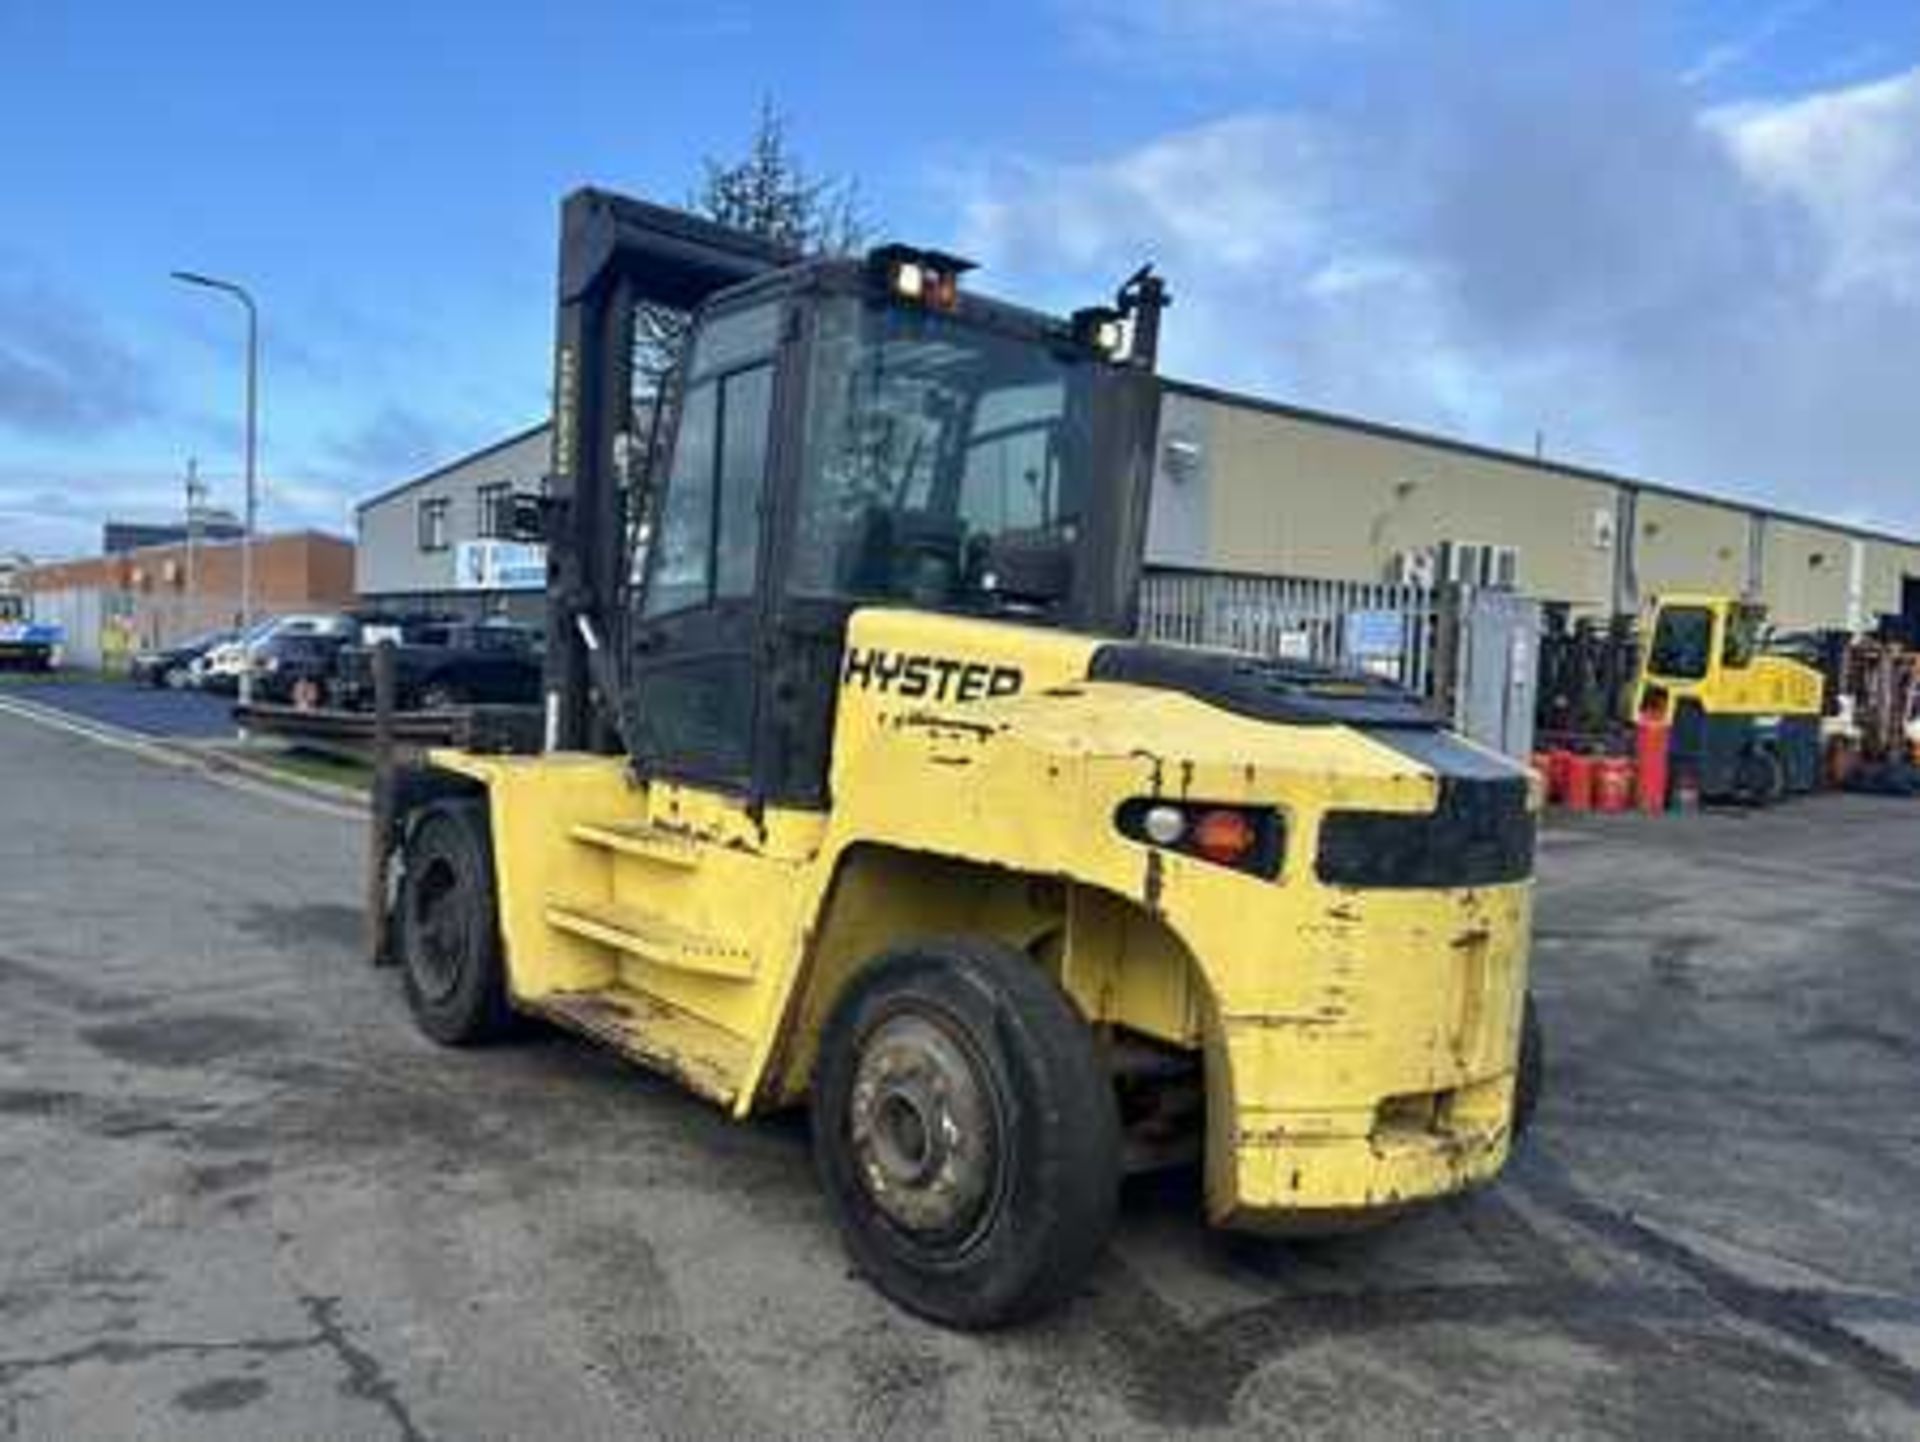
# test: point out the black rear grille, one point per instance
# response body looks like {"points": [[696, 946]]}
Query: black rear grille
{"points": [[1481, 834]]}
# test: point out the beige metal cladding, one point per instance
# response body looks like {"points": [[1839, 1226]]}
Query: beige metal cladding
{"points": [[1268, 490], [1888, 566], [1806, 578], [1280, 493], [1681, 544]]}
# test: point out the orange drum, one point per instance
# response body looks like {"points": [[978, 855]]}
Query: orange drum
{"points": [[1652, 748], [1613, 784], [1580, 780]]}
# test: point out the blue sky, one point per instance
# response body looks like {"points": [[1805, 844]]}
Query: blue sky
{"points": [[1682, 240]]}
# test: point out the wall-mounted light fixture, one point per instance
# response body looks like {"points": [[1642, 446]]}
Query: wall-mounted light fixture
{"points": [[1183, 457]]}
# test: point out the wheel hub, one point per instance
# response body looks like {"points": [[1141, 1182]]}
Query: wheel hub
{"points": [[922, 1127], [440, 935]]}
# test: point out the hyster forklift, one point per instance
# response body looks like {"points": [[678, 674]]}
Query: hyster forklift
{"points": [[853, 793], [1746, 723]]}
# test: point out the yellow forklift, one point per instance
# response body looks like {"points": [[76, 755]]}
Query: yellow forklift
{"points": [[1746, 723], [854, 794]]}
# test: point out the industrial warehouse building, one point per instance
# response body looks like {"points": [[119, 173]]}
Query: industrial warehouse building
{"points": [[110, 605], [439, 542], [1250, 487]]}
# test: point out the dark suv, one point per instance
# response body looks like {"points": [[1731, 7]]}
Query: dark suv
{"points": [[296, 668], [440, 665]]}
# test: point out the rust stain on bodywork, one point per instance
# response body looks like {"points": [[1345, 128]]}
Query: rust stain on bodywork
{"points": [[934, 722]]}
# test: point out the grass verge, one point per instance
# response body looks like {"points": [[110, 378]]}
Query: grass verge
{"points": [[305, 765]]}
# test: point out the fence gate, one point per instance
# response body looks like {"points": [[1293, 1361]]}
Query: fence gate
{"points": [[1474, 654], [1350, 625]]}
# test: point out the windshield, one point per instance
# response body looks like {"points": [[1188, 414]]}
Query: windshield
{"points": [[1682, 643], [932, 446]]}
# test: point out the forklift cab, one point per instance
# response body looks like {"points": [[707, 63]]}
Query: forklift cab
{"points": [[1746, 722], [836, 434]]}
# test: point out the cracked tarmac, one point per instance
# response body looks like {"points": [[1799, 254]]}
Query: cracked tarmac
{"points": [[239, 1198]]}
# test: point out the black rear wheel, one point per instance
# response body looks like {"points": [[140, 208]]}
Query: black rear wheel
{"points": [[1762, 776], [449, 933], [965, 1133]]}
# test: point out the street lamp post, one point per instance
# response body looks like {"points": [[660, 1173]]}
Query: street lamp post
{"points": [[240, 294], [194, 622]]}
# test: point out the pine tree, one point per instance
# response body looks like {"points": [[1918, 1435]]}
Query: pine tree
{"points": [[767, 192]]}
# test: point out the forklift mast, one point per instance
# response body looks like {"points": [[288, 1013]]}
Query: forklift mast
{"points": [[615, 254]]}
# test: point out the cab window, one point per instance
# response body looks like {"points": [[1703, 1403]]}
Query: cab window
{"points": [[1682, 643], [707, 546], [1744, 627]]}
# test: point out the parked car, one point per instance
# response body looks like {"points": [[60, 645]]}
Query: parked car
{"points": [[219, 669], [295, 667], [172, 666], [441, 665]]}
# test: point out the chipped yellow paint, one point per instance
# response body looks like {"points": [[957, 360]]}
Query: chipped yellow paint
{"points": [[1359, 1045]]}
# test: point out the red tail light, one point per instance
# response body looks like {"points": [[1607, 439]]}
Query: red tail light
{"points": [[1224, 836], [1246, 838]]}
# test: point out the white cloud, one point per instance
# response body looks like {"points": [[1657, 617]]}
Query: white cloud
{"points": [[1729, 299], [1852, 158], [55, 511], [1767, 26], [51, 512], [1244, 191]]}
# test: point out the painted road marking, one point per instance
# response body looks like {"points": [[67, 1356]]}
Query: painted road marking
{"points": [[118, 738]]}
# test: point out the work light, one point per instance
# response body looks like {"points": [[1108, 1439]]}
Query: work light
{"points": [[1100, 328], [928, 278]]}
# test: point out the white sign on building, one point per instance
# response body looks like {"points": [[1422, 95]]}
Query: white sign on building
{"points": [[499, 566]]}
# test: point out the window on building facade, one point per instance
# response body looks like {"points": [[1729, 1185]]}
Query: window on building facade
{"points": [[433, 524], [495, 503]]}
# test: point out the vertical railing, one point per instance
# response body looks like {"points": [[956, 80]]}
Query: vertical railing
{"points": [[1352, 625]]}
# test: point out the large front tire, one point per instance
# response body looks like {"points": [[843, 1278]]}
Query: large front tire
{"points": [[451, 960], [966, 1133]]}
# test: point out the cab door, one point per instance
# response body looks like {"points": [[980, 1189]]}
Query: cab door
{"points": [[693, 676]]}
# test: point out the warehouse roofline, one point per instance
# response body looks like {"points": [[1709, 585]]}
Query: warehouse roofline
{"points": [[1520, 458], [37, 574], [446, 468], [1346, 423]]}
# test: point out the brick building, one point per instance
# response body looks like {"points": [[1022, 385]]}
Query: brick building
{"points": [[110, 605]]}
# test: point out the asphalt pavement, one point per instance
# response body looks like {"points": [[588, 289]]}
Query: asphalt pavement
{"points": [[147, 710], [241, 1198]]}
